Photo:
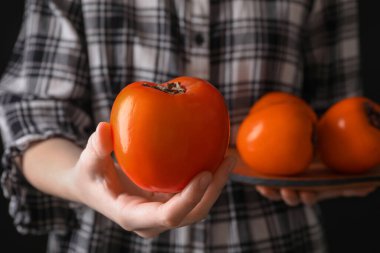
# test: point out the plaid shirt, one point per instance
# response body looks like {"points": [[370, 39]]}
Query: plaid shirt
{"points": [[72, 57]]}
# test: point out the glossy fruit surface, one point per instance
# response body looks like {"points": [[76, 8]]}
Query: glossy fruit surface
{"points": [[277, 140], [349, 135], [165, 134], [279, 97]]}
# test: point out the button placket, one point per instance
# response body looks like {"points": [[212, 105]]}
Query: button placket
{"points": [[199, 39], [199, 53]]}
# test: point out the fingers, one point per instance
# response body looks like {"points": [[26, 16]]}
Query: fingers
{"points": [[100, 142], [96, 163], [358, 192], [213, 191], [175, 210], [329, 194], [293, 197], [309, 198], [269, 193], [354, 192], [178, 210], [290, 197], [188, 206], [140, 215], [98, 149]]}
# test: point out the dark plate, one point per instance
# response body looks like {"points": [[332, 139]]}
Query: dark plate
{"points": [[316, 177]]}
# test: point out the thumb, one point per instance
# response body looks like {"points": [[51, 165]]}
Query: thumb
{"points": [[99, 145]]}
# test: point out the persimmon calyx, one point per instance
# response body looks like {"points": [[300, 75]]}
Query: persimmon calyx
{"points": [[171, 88], [373, 115]]}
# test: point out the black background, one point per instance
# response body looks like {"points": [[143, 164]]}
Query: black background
{"points": [[352, 225]]}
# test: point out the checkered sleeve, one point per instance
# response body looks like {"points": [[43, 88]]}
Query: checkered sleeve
{"points": [[43, 93], [331, 53]]}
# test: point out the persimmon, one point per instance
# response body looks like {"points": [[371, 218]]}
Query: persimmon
{"points": [[349, 135], [165, 134], [279, 97], [277, 140]]}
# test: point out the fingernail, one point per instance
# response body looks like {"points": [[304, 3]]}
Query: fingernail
{"points": [[205, 180], [290, 197]]}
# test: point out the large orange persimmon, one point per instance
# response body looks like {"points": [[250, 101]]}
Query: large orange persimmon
{"points": [[276, 138], [349, 135], [165, 134]]}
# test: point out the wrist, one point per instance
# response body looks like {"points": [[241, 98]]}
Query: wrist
{"points": [[49, 166]]}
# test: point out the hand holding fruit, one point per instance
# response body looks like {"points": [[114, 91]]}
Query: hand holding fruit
{"points": [[101, 185], [170, 141]]}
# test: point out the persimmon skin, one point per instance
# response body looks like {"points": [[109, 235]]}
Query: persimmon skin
{"points": [[277, 140], [279, 97], [347, 141], [163, 140]]}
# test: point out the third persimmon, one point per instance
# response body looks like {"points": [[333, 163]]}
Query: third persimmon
{"points": [[349, 135]]}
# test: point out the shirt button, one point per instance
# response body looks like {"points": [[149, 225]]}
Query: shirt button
{"points": [[199, 39]]}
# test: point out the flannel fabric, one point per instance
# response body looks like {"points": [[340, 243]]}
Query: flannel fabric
{"points": [[72, 57]]}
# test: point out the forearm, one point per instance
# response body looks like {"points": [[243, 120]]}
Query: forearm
{"points": [[48, 165]]}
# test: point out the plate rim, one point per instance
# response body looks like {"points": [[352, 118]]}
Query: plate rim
{"points": [[278, 182]]}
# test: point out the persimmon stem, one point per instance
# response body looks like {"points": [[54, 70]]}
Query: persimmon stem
{"points": [[373, 115], [170, 88]]}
